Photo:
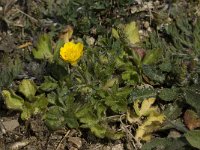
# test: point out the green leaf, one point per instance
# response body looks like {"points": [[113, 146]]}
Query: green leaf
{"points": [[43, 48], [153, 73], [101, 110], [27, 111], [38, 106], [175, 124], [9, 69], [136, 58], [131, 32], [152, 56], [196, 36], [12, 100], [98, 130], [117, 105], [193, 137], [54, 118], [117, 99], [142, 94], [110, 83], [49, 84], [66, 100], [167, 94], [115, 33], [52, 97], [192, 98], [57, 71], [28, 88], [165, 144], [86, 115], [93, 124], [71, 119], [130, 77], [40, 103], [56, 54], [173, 110], [166, 66], [114, 135]]}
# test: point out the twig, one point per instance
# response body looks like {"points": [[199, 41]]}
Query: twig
{"points": [[35, 20], [113, 118], [129, 134], [8, 5], [58, 147]]}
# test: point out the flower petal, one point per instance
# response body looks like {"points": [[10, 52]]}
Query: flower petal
{"points": [[71, 52]]}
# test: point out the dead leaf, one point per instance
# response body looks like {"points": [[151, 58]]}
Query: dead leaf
{"points": [[2, 144], [132, 118], [140, 51], [174, 134], [24, 45], [147, 126], [151, 124], [146, 107], [76, 141], [191, 119], [66, 34]]}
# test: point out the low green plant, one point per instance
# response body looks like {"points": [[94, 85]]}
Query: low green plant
{"points": [[117, 73], [9, 69], [26, 100], [86, 92]]}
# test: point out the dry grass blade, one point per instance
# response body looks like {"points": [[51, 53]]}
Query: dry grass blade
{"points": [[61, 141]]}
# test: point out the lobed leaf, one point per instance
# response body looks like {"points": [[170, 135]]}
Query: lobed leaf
{"points": [[49, 84], [131, 32], [193, 137], [43, 48], [192, 98], [12, 100], [165, 144], [28, 89], [152, 57], [168, 94]]}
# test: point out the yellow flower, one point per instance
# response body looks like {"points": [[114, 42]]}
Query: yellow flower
{"points": [[71, 52]]}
